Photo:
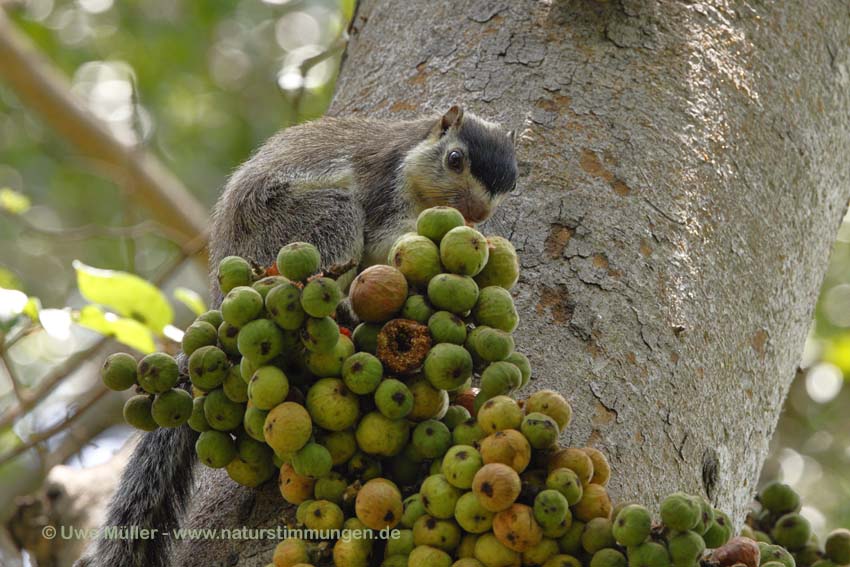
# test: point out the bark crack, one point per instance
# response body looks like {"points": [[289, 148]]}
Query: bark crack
{"points": [[661, 212], [609, 407]]}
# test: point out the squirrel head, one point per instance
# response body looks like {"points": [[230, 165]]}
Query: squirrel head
{"points": [[464, 162]]}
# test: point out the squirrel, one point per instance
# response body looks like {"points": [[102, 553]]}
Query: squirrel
{"points": [[350, 186]]}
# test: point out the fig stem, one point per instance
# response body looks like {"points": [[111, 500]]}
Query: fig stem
{"points": [[337, 270]]}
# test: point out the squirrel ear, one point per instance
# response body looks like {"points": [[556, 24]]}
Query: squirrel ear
{"points": [[512, 137], [451, 119]]}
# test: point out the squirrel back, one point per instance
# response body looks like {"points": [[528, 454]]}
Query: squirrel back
{"points": [[341, 171], [352, 185]]}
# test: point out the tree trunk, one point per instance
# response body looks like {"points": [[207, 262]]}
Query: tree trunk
{"points": [[684, 172]]}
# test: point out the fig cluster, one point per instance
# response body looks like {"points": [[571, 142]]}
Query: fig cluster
{"points": [[436, 320], [159, 401], [275, 386], [504, 493], [411, 422], [785, 537], [440, 316], [248, 368]]}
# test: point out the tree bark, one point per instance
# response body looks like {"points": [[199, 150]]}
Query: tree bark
{"points": [[684, 172]]}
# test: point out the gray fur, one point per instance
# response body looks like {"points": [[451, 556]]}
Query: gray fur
{"points": [[328, 182], [153, 493], [350, 186]]}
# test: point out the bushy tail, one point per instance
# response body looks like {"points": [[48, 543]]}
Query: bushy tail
{"points": [[152, 494]]}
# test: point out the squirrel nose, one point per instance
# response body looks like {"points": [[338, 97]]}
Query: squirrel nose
{"points": [[472, 218]]}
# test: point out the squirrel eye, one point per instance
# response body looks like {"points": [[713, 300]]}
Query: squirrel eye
{"points": [[455, 160]]}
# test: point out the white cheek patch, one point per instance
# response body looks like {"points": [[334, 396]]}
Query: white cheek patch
{"points": [[478, 191]]}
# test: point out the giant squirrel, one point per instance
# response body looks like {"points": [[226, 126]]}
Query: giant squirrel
{"points": [[350, 186]]}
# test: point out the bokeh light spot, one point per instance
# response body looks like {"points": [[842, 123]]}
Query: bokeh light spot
{"points": [[819, 442], [39, 10], [815, 518], [95, 6], [824, 382], [12, 302], [56, 322], [297, 29], [792, 465], [290, 79]]}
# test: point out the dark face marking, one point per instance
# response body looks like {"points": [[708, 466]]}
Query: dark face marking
{"points": [[491, 156]]}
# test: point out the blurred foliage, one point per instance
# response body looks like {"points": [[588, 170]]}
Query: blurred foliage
{"points": [[201, 84], [811, 447]]}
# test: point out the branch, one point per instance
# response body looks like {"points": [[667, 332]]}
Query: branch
{"points": [[46, 434], [338, 270], [46, 91], [108, 412], [89, 231], [7, 343], [337, 45], [13, 376], [29, 399], [189, 249], [76, 438]]}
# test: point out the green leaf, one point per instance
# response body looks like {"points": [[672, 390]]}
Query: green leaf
{"points": [[126, 331], [32, 308], [9, 280], [347, 7], [191, 299], [126, 294], [13, 202], [837, 352], [9, 441]]}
